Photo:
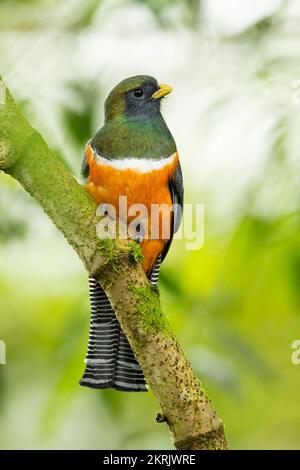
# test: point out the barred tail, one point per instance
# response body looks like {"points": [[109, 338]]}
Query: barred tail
{"points": [[110, 361]]}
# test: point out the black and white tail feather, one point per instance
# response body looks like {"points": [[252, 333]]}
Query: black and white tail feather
{"points": [[110, 361]]}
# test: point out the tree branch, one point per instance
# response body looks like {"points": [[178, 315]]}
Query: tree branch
{"points": [[184, 406]]}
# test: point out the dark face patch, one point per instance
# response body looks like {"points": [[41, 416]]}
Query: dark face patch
{"points": [[138, 102]]}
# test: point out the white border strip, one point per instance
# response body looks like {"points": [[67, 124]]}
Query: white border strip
{"points": [[142, 165]]}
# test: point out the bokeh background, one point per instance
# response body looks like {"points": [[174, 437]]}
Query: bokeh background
{"points": [[234, 304]]}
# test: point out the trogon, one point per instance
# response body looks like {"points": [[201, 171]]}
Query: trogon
{"points": [[134, 155]]}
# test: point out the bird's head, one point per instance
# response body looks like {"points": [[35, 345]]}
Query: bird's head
{"points": [[136, 97]]}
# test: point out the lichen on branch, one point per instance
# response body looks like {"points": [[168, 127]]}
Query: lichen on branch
{"points": [[149, 309]]}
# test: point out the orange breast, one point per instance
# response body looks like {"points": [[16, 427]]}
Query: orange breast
{"points": [[106, 184]]}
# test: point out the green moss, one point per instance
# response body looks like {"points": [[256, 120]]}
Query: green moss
{"points": [[108, 248], [136, 254], [212, 440], [149, 309]]}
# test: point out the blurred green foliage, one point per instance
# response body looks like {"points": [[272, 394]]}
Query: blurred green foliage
{"points": [[234, 304]]}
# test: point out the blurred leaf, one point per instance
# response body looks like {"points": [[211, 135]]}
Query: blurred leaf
{"points": [[78, 117]]}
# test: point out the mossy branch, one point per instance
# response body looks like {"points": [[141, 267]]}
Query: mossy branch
{"points": [[116, 264]]}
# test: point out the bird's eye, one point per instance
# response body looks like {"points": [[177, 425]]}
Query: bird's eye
{"points": [[138, 92]]}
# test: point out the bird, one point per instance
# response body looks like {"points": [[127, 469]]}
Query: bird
{"points": [[134, 154]]}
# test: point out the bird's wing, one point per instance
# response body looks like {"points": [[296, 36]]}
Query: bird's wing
{"points": [[85, 169], [176, 190]]}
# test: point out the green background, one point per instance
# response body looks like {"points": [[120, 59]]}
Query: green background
{"points": [[234, 304]]}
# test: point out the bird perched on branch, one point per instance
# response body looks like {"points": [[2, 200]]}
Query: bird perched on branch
{"points": [[132, 155]]}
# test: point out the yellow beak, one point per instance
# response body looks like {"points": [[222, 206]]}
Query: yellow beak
{"points": [[162, 91]]}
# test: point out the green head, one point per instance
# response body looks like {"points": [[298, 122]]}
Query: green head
{"points": [[136, 97], [134, 126]]}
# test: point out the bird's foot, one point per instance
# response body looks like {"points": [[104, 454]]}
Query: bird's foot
{"points": [[137, 231]]}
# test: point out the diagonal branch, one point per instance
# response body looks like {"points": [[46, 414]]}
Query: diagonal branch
{"points": [[184, 406]]}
